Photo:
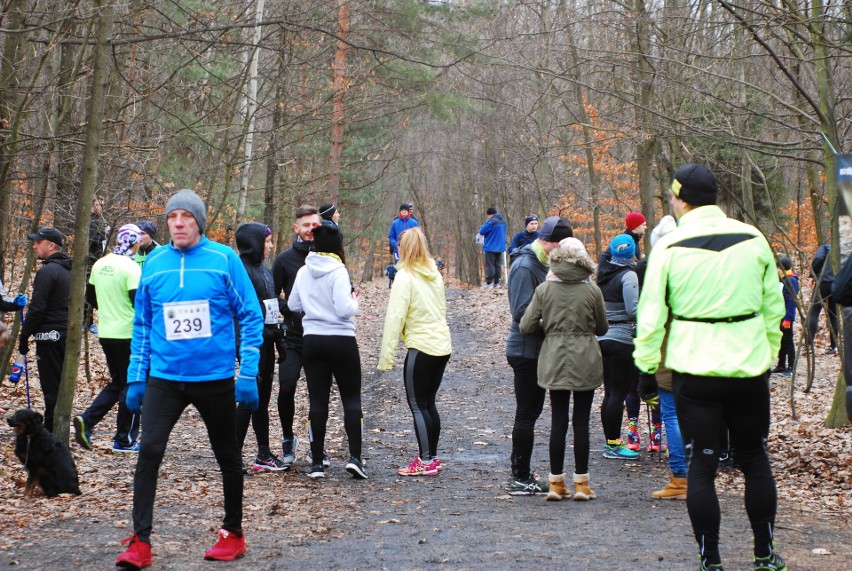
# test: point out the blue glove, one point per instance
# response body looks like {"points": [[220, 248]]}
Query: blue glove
{"points": [[245, 392], [135, 396], [20, 300]]}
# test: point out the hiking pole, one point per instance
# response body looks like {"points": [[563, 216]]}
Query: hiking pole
{"points": [[27, 380], [650, 426]]}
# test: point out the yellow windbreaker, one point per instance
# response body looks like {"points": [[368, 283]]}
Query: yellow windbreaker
{"points": [[717, 277], [417, 311]]}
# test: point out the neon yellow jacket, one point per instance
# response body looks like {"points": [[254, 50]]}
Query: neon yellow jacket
{"points": [[417, 311], [710, 267]]}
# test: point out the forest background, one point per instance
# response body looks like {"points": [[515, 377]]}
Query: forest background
{"points": [[583, 109]]}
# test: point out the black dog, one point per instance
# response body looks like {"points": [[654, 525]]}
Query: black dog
{"points": [[49, 464]]}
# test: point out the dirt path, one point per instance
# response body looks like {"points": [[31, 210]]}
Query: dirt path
{"points": [[462, 519]]}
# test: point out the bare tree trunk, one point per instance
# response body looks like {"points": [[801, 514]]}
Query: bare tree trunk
{"points": [[647, 141], [249, 108], [94, 134], [339, 91]]}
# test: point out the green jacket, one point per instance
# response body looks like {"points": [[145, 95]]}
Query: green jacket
{"points": [[417, 311], [571, 312], [712, 267]]}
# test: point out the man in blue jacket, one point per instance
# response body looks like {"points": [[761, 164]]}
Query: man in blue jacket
{"points": [[400, 224], [183, 352], [494, 232]]}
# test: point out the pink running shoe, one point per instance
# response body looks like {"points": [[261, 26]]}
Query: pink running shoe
{"points": [[418, 468], [436, 465]]}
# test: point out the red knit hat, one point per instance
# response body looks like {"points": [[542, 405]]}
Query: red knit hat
{"points": [[634, 220]]}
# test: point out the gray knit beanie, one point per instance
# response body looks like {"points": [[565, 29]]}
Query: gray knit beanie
{"points": [[187, 200]]}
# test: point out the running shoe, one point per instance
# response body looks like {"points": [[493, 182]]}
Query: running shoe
{"points": [[326, 461], [656, 437], [633, 435], [771, 563], [356, 468], [266, 460], [82, 433], [119, 448], [619, 451], [418, 468], [528, 487], [436, 464], [289, 444], [831, 350], [317, 471]]}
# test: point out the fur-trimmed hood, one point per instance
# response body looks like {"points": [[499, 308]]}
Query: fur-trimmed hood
{"points": [[570, 262]]}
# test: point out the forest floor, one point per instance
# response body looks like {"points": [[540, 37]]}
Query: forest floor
{"points": [[462, 519]]}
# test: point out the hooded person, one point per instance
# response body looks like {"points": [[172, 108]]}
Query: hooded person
{"points": [[417, 311], [254, 244], [619, 285], [400, 224], [493, 246], [570, 310], [323, 291]]}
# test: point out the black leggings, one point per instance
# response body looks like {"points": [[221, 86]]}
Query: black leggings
{"points": [[705, 405], [559, 403], [289, 372], [422, 374], [259, 417], [618, 373], [324, 357], [529, 402]]}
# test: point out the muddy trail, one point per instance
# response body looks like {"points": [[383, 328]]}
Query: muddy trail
{"points": [[462, 519]]}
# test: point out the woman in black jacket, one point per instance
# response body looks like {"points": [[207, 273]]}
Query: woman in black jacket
{"points": [[254, 242]]}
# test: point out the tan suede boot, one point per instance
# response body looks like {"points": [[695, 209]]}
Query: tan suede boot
{"points": [[582, 491], [558, 490], [674, 490]]}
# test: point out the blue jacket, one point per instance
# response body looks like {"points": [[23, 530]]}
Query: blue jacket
{"points": [[790, 288], [521, 239], [398, 226], [494, 231], [209, 274]]}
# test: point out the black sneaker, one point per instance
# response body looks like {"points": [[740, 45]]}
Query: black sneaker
{"points": [[326, 462], [316, 471], [526, 487], [356, 468]]}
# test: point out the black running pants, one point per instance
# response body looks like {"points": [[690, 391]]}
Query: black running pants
{"points": [[163, 405], [117, 353], [259, 417], [529, 402], [618, 374], [560, 402], [336, 357], [422, 375], [705, 405]]}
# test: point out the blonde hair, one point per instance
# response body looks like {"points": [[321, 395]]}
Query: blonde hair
{"points": [[413, 250]]}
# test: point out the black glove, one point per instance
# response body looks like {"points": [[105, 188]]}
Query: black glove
{"points": [[648, 389]]}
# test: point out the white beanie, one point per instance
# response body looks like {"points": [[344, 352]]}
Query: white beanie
{"points": [[666, 225]]}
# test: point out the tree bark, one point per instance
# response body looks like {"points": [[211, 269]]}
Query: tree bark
{"points": [[94, 135], [340, 83]]}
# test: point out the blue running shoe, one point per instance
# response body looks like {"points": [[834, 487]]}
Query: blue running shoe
{"points": [[118, 448], [619, 451]]}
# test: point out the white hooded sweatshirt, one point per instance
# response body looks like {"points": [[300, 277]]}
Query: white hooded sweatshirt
{"points": [[322, 290]]}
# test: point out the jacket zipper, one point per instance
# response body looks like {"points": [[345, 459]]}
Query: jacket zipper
{"points": [[182, 255]]}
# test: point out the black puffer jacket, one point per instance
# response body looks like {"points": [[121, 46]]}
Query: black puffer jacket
{"points": [[48, 309], [250, 244]]}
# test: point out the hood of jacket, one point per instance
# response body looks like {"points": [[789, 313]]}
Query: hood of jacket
{"points": [[607, 270], [251, 238], [60, 258], [569, 267], [429, 272], [319, 265], [498, 219]]}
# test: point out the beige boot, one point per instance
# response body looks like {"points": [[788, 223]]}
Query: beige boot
{"points": [[674, 490], [558, 490], [582, 491]]}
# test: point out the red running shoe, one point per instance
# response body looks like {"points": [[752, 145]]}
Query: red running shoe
{"points": [[228, 547], [136, 556]]}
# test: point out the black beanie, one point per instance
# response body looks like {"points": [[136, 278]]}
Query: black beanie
{"points": [[326, 211], [785, 262], [327, 238], [491, 210], [555, 229], [695, 185]]}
